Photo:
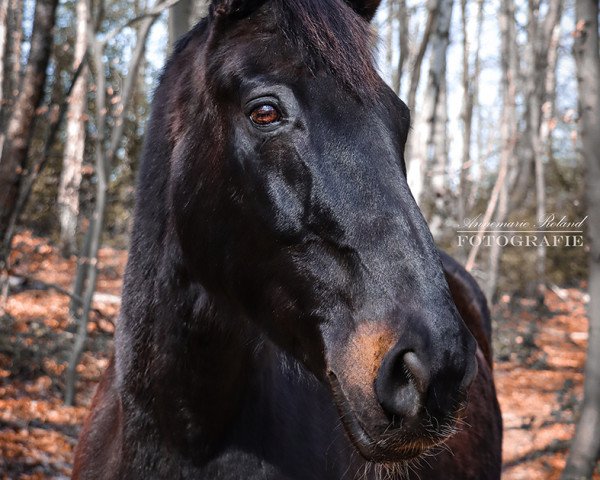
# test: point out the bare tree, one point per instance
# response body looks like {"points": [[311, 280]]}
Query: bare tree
{"points": [[540, 53], [549, 105], [15, 30], [70, 179], [106, 145], [19, 128], [10, 54], [437, 180], [508, 125], [403, 19], [437, 35], [389, 36], [585, 449], [548, 47], [470, 84], [183, 15], [415, 77], [200, 9], [3, 43], [508, 133], [432, 115], [539, 33]]}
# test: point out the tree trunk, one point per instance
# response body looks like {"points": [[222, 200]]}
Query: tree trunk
{"points": [[11, 62], [421, 158], [535, 95], [438, 145], [508, 130], [495, 250], [484, 145], [470, 84], [403, 19], [549, 106], [415, 143], [508, 135], [180, 18], [70, 179], [586, 443], [19, 128], [538, 51], [389, 39], [3, 45]]}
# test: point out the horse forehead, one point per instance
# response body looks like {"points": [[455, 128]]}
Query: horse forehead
{"points": [[243, 55]]}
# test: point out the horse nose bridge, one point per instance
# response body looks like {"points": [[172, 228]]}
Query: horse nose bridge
{"points": [[369, 209], [396, 248]]}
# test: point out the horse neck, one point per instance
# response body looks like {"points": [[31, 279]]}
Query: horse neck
{"points": [[182, 356]]}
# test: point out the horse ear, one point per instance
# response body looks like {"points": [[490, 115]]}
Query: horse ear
{"points": [[365, 8]]}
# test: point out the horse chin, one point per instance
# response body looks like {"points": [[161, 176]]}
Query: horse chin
{"points": [[387, 452], [383, 452]]}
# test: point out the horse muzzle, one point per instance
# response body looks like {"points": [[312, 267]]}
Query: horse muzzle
{"points": [[397, 401]]}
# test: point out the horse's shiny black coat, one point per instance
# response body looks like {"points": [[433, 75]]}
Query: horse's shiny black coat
{"points": [[285, 311]]}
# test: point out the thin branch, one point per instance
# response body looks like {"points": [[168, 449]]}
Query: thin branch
{"points": [[153, 12], [31, 283], [130, 82], [488, 214]]}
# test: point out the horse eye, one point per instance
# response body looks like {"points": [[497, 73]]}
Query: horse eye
{"points": [[265, 115]]}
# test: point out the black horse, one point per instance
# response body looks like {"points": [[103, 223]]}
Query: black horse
{"points": [[285, 311]]}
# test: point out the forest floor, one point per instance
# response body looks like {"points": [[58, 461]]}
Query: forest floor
{"points": [[538, 371]]}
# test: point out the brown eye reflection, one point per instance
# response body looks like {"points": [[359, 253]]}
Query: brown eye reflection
{"points": [[265, 115]]}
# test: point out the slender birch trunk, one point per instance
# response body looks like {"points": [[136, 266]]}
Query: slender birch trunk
{"points": [[439, 164], [548, 34], [70, 179], [470, 84], [485, 143], [535, 95]]}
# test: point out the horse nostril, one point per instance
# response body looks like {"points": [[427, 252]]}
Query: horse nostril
{"points": [[418, 372], [470, 374], [402, 383]]}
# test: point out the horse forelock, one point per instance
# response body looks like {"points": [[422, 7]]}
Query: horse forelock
{"points": [[323, 34], [331, 34]]}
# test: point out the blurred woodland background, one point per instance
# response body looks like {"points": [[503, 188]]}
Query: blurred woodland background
{"points": [[505, 102]]}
